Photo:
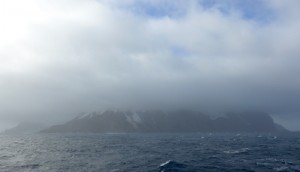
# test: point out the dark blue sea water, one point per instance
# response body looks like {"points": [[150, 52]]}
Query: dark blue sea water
{"points": [[149, 152]]}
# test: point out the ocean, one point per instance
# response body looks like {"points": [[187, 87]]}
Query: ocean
{"points": [[149, 152]]}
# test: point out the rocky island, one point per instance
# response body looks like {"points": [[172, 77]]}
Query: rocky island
{"points": [[172, 121]]}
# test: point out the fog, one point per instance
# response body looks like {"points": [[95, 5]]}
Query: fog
{"points": [[59, 58]]}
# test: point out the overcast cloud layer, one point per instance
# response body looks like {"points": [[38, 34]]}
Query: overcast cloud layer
{"points": [[62, 57]]}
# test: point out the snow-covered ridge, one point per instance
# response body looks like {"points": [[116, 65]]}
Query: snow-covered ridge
{"points": [[90, 115]]}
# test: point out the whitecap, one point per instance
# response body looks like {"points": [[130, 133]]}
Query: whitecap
{"points": [[236, 151], [283, 168]]}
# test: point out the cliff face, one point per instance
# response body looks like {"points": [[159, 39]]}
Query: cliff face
{"points": [[161, 121]]}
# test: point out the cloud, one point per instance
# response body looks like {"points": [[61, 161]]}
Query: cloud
{"points": [[58, 59]]}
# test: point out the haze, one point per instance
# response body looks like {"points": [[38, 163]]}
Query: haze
{"points": [[59, 58]]}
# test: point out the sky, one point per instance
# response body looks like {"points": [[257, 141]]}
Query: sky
{"points": [[59, 58]]}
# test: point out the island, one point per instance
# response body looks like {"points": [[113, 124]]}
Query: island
{"points": [[155, 121]]}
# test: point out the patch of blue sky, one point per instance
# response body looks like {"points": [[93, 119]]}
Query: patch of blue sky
{"points": [[256, 10], [179, 52], [159, 8]]}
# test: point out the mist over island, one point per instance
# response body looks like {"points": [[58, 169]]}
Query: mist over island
{"points": [[59, 59], [25, 127]]}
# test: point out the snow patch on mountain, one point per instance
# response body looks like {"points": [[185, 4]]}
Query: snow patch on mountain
{"points": [[130, 120], [84, 116], [136, 117], [90, 115], [133, 118]]}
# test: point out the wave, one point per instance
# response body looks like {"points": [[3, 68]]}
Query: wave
{"points": [[243, 150], [171, 166]]}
